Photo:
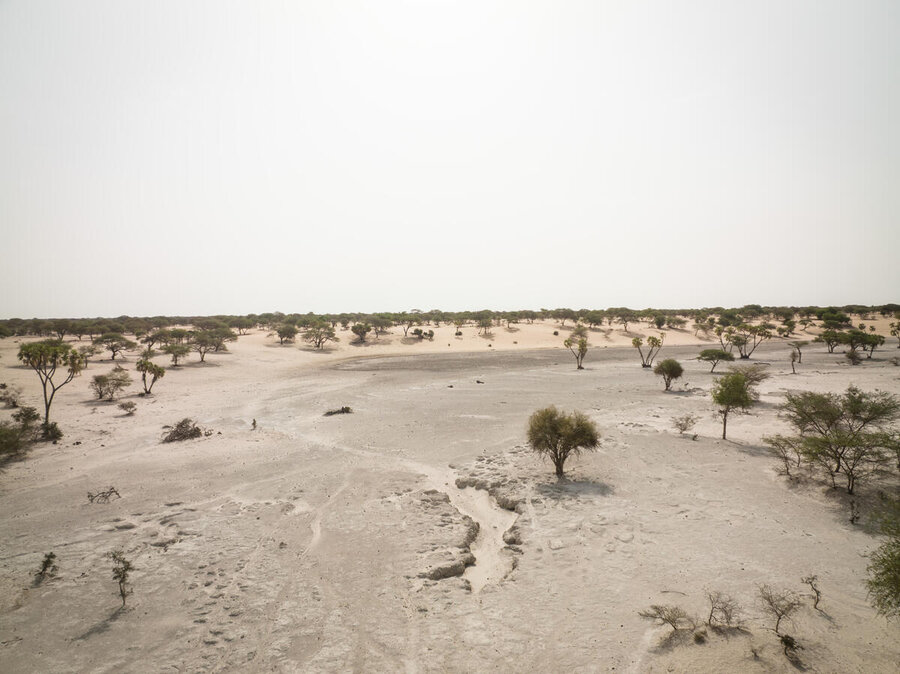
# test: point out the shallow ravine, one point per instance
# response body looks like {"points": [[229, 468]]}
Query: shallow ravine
{"points": [[492, 564]]}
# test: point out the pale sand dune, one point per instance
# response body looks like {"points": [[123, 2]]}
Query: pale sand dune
{"points": [[304, 545]]}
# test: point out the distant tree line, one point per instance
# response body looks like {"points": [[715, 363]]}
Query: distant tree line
{"points": [[740, 327]]}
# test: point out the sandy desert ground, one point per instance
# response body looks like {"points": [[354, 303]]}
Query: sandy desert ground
{"points": [[317, 544]]}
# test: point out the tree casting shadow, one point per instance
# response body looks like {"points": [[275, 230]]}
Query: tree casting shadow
{"points": [[103, 625], [573, 489]]}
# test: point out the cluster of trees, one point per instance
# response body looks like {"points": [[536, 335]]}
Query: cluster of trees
{"points": [[856, 339], [848, 435]]}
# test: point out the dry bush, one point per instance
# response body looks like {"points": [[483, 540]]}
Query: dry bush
{"points": [[813, 582], [103, 495], [673, 616], [128, 407], [684, 423], [185, 429], [779, 603], [340, 410], [723, 610]]}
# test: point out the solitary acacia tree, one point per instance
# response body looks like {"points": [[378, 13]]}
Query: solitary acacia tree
{"points": [[177, 351], [319, 333], [578, 348], [558, 435], [149, 369], [670, 370], [204, 341], [46, 358], [731, 393], [714, 356], [116, 343]]}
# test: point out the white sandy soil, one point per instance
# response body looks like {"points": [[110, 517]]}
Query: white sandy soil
{"points": [[321, 544]]}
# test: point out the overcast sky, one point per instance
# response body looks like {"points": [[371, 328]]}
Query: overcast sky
{"points": [[235, 157]]}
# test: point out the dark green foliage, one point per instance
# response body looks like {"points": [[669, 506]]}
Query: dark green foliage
{"points": [[714, 356], [17, 437], [52, 432], [340, 410], [204, 341], [319, 333], [286, 332], [849, 433], [670, 370], [732, 393], [558, 435], [361, 330], [115, 343], [176, 351]]}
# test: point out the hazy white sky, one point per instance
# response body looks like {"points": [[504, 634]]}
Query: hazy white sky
{"points": [[233, 157]]}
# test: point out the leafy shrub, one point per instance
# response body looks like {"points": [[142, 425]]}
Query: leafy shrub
{"points": [[673, 616], [128, 407], [340, 410], [52, 432], [670, 370]]}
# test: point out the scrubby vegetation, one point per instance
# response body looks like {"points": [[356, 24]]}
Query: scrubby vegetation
{"points": [[186, 429]]}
